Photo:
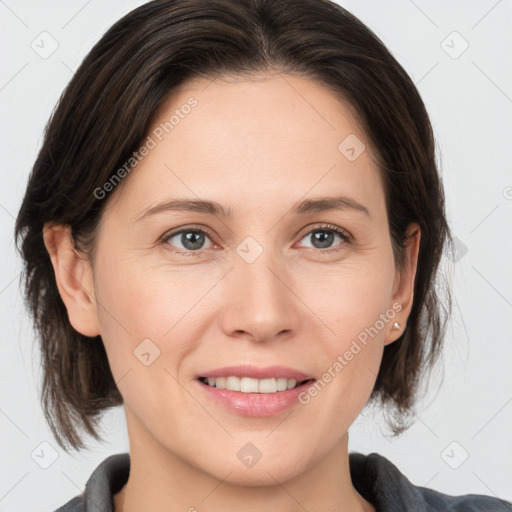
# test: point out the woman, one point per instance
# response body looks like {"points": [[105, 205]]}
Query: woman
{"points": [[233, 228]]}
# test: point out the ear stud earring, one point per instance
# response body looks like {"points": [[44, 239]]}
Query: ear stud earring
{"points": [[396, 327]]}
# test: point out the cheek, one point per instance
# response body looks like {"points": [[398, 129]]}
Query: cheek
{"points": [[143, 301], [144, 310], [355, 308], [350, 298], [144, 335]]}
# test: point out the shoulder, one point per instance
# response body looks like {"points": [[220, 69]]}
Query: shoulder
{"points": [[379, 481], [466, 503], [106, 480]]}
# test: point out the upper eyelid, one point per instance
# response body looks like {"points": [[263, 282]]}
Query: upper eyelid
{"points": [[327, 227], [192, 227]]}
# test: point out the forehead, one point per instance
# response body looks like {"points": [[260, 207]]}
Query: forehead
{"points": [[254, 141]]}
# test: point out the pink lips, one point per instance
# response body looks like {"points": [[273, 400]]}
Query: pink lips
{"points": [[255, 404], [269, 372]]}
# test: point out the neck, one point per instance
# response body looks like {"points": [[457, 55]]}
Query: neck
{"points": [[159, 480]]}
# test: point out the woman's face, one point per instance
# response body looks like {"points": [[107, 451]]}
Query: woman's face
{"points": [[257, 278]]}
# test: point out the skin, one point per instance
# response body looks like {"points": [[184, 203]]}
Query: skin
{"points": [[257, 147]]}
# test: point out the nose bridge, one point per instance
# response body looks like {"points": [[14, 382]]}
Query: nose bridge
{"points": [[263, 305]]}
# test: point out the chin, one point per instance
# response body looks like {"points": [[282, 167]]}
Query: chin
{"points": [[269, 469], [265, 476]]}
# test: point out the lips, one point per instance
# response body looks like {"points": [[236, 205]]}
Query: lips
{"points": [[269, 372], [252, 391]]}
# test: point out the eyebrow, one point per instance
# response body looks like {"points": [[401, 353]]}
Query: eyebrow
{"points": [[320, 204]]}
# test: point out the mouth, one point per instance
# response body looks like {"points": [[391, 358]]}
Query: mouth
{"points": [[252, 385], [252, 391]]}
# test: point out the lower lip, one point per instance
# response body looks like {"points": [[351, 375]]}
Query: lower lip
{"points": [[256, 404]]}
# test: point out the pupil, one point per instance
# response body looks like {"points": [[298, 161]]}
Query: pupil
{"points": [[325, 240], [192, 240]]}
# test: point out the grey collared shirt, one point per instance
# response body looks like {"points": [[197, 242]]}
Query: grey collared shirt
{"points": [[376, 478]]}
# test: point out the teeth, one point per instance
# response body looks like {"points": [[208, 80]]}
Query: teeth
{"points": [[233, 383], [248, 385], [282, 383], [267, 386], [220, 382]]}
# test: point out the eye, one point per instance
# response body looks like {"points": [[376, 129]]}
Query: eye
{"points": [[192, 240], [323, 237], [189, 240]]}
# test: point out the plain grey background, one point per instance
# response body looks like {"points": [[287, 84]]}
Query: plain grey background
{"points": [[458, 54]]}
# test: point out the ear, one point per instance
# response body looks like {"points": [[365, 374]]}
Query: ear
{"points": [[74, 278], [403, 285]]}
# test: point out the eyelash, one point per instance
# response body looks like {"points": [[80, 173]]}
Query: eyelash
{"points": [[347, 238]]}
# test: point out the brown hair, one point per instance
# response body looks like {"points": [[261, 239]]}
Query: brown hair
{"points": [[104, 115]]}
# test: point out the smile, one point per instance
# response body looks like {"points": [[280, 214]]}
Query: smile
{"points": [[250, 385], [248, 390]]}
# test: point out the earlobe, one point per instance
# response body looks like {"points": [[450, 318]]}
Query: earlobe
{"points": [[73, 275], [403, 287]]}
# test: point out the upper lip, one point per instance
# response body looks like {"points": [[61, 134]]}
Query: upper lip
{"points": [[268, 372]]}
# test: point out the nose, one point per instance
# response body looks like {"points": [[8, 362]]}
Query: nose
{"points": [[260, 304]]}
